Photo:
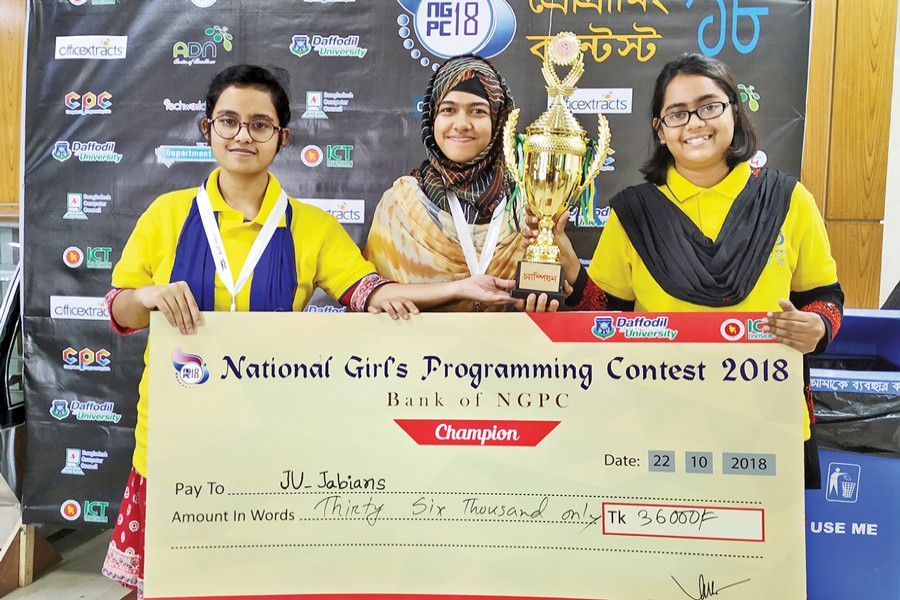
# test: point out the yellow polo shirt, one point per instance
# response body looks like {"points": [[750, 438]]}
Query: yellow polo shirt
{"points": [[800, 260], [326, 257]]}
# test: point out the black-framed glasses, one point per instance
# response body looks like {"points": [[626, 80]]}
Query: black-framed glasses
{"points": [[228, 128], [706, 112]]}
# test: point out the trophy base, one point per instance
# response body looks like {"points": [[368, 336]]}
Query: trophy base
{"points": [[539, 278]]}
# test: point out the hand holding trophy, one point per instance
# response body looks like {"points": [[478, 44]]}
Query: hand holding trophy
{"points": [[558, 163]]}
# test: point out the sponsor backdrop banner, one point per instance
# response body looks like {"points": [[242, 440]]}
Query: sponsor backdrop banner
{"points": [[113, 99]]}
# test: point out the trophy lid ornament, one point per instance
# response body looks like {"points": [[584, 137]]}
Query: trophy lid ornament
{"points": [[555, 163]]}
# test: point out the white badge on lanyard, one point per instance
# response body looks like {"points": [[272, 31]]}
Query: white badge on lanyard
{"points": [[214, 238], [477, 265]]}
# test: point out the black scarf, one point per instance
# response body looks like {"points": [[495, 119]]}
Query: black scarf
{"points": [[690, 266]]}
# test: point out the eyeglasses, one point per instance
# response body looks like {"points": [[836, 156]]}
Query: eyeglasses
{"points": [[228, 128], [705, 112]]}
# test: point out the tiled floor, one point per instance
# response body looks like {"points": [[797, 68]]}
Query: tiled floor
{"points": [[78, 575]]}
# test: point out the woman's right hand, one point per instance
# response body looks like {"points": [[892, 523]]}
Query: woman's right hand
{"points": [[175, 301], [567, 255]]}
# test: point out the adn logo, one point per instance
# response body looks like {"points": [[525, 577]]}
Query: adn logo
{"points": [[205, 53], [88, 103], [732, 330], [190, 368], [449, 28], [87, 47], [86, 359]]}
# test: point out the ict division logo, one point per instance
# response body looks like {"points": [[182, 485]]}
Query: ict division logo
{"points": [[97, 257], [190, 369], [449, 28], [94, 511], [734, 329], [335, 155]]}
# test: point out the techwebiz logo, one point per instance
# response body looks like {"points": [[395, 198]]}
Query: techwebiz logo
{"points": [[345, 211], [91, 47], [445, 29], [78, 461], [169, 155], [94, 511], [181, 106], [327, 45], [335, 155], [600, 100], [79, 308], [86, 359], [84, 411], [94, 257], [88, 103], [190, 369], [90, 151], [319, 104], [80, 205], [205, 52]]}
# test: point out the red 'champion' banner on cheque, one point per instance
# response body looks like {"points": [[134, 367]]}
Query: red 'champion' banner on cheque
{"points": [[653, 327], [467, 432]]}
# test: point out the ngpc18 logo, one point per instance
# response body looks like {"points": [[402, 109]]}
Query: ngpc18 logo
{"points": [[190, 369], [451, 27]]}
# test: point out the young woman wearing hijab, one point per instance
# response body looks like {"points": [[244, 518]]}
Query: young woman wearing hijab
{"points": [[453, 216], [187, 247], [708, 232]]}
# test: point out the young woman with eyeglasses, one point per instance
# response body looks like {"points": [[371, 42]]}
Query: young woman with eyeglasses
{"points": [[708, 232], [238, 242]]}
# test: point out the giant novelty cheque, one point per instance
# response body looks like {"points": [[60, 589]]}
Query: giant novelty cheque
{"points": [[564, 455]]}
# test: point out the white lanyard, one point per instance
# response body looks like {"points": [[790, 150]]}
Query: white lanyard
{"points": [[214, 237], [476, 266]]}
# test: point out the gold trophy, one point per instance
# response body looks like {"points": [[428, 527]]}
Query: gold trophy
{"points": [[554, 174]]}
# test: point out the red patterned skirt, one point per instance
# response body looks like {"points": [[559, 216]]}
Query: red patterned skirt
{"points": [[125, 557]]}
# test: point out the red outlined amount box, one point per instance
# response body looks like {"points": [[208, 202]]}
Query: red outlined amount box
{"points": [[738, 524]]}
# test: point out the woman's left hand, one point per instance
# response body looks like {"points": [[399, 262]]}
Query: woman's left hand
{"points": [[397, 308], [795, 328]]}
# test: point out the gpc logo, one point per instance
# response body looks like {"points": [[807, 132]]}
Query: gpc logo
{"points": [[452, 27]]}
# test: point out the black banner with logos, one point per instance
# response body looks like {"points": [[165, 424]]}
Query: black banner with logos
{"points": [[114, 96]]}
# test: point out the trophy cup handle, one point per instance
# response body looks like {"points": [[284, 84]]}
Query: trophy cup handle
{"points": [[601, 151], [510, 151]]}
